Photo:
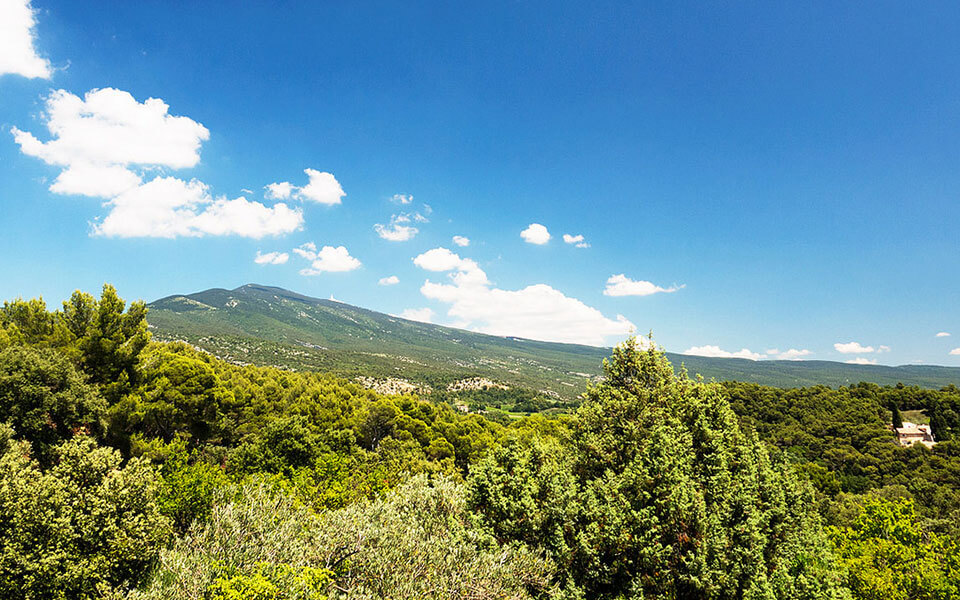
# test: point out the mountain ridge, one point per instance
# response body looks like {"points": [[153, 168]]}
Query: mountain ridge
{"points": [[263, 324]]}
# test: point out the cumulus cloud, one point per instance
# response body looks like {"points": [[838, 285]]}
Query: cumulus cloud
{"points": [[423, 315], [398, 230], [401, 199], [102, 140], [271, 258], [535, 233], [717, 352], [108, 127], [461, 241], [168, 207], [18, 56], [621, 285], [322, 188], [576, 240], [943, 334], [392, 280], [955, 352], [861, 360], [853, 348], [328, 259], [279, 191], [537, 311], [882, 349]]}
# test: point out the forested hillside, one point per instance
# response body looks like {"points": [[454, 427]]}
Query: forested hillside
{"points": [[269, 326], [136, 469]]}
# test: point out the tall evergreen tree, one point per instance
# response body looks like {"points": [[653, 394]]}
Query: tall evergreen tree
{"points": [[659, 494], [897, 419]]}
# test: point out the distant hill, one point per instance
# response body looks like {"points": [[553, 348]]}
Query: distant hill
{"points": [[265, 325]]}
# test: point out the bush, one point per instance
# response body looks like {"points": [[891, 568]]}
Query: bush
{"points": [[79, 529], [417, 543]]}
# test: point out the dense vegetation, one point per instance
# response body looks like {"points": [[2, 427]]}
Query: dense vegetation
{"points": [[135, 469]]}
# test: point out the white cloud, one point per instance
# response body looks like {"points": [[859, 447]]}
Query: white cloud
{"points": [[955, 352], [271, 258], [424, 315], [323, 188], [793, 354], [108, 127], [943, 334], [99, 181], [860, 360], [438, 259], [575, 239], [461, 241], [106, 140], [401, 199], [307, 251], [279, 191], [717, 352], [328, 260], [397, 231], [537, 311], [17, 53], [392, 280], [621, 285], [883, 349], [168, 207], [852, 348], [535, 233]]}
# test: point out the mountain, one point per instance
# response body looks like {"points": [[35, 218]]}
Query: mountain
{"points": [[266, 325]]}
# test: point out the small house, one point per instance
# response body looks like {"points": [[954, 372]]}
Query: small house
{"points": [[912, 433]]}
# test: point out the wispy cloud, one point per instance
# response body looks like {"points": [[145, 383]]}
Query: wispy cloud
{"points": [[271, 258], [718, 352], [577, 240], [621, 285]]}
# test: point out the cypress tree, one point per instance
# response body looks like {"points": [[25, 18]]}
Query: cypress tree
{"points": [[897, 419]]}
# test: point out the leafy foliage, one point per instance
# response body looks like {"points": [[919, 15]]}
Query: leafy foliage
{"points": [[889, 556], [45, 399], [658, 494], [278, 484], [82, 527]]}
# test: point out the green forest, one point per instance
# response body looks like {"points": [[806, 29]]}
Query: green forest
{"points": [[143, 470]]}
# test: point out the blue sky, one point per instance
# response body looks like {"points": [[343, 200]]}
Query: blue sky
{"points": [[748, 178]]}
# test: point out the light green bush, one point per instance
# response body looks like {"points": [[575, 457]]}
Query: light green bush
{"points": [[78, 529], [416, 543]]}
